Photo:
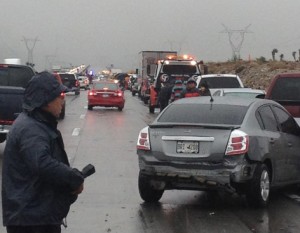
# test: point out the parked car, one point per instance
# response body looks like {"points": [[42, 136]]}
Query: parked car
{"points": [[240, 92], [285, 89], [106, 94], [242, 145], [83, 82], [70, 81], [218, 81]]}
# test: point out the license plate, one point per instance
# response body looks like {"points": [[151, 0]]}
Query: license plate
{"points": [[105, 95], [187, 147]]}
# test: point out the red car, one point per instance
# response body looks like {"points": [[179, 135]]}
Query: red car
{"points": [[106, 94]]}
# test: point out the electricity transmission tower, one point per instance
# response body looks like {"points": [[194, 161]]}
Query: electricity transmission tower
{"points": [[30, 49], [236, 39]]}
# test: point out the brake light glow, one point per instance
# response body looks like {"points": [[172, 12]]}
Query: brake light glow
{"points": [[143, 142], [238, 143], [92, 92], [3, 122], [119, 93]]}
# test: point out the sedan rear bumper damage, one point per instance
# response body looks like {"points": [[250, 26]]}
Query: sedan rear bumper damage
{"points": [[169, 175]]}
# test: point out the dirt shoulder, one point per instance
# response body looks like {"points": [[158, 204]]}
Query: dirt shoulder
{"points": [[254, 74]]}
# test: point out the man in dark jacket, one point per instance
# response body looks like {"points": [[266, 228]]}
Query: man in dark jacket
{"points": [[38, 184], [165, 95]]}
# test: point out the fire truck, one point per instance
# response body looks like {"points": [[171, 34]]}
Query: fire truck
{"points": [[167, 71]]}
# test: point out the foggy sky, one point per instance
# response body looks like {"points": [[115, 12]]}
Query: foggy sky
{"points": [[104, 32]]}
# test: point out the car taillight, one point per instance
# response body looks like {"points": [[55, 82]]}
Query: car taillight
{"points": [[143, 142], [62, 95], [92, 93], [77, 83], [119, 93], [238, 143], [4, 122]]}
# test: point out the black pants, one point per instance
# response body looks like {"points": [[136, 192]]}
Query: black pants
{"points": [[34, 229]]}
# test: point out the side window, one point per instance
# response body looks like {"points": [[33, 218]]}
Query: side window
{"points": [[267, 119], [286, 122]]}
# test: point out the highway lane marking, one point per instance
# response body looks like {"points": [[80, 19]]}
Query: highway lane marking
{"points": [[76, 132]]}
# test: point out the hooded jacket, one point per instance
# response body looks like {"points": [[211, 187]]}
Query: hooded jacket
{"points": [[37, 180]]}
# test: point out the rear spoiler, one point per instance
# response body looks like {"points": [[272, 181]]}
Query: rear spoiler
{"points": [[178, 125]]}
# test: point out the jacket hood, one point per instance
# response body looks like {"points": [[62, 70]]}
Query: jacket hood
{"points": [[41, 90]]}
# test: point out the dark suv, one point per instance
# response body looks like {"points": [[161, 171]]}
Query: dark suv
{"points": [[70, 81]]}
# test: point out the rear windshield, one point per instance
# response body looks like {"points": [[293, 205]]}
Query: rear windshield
{"points": [[179, 69], [67, 76], [204, 114], [109, 86], [221, 82], [15, 76], [286, 89]]}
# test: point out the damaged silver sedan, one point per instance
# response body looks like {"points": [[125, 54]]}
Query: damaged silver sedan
{"points": [[248, 146]]}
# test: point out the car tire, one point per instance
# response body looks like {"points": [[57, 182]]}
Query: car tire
{"points": [[77, 92], [133, 93], [151, 108], [2, 137], [145, 100], [147, 192], [258, 193], [120, 108], [90, 107]]}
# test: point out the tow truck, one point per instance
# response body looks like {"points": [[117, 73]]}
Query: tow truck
{"points": [[170, 69]]}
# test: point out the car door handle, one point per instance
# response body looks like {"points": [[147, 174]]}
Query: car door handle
{"points": [[290, 144], [272, 140]]}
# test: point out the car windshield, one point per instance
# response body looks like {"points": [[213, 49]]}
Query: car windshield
{"points": [[109, 86], [286, 89], [221, 82], [204, 114], [179, 69]]}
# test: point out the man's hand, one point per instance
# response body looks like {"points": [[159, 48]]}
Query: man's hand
{"points": [[78, 190]]}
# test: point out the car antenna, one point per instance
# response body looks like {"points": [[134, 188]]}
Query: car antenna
{"points": [[211, 98]]}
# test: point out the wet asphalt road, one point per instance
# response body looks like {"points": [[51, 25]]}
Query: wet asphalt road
{"points": [[110, 201]]}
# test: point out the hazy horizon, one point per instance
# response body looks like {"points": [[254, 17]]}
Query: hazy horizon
{"points": [[101, 33]]}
